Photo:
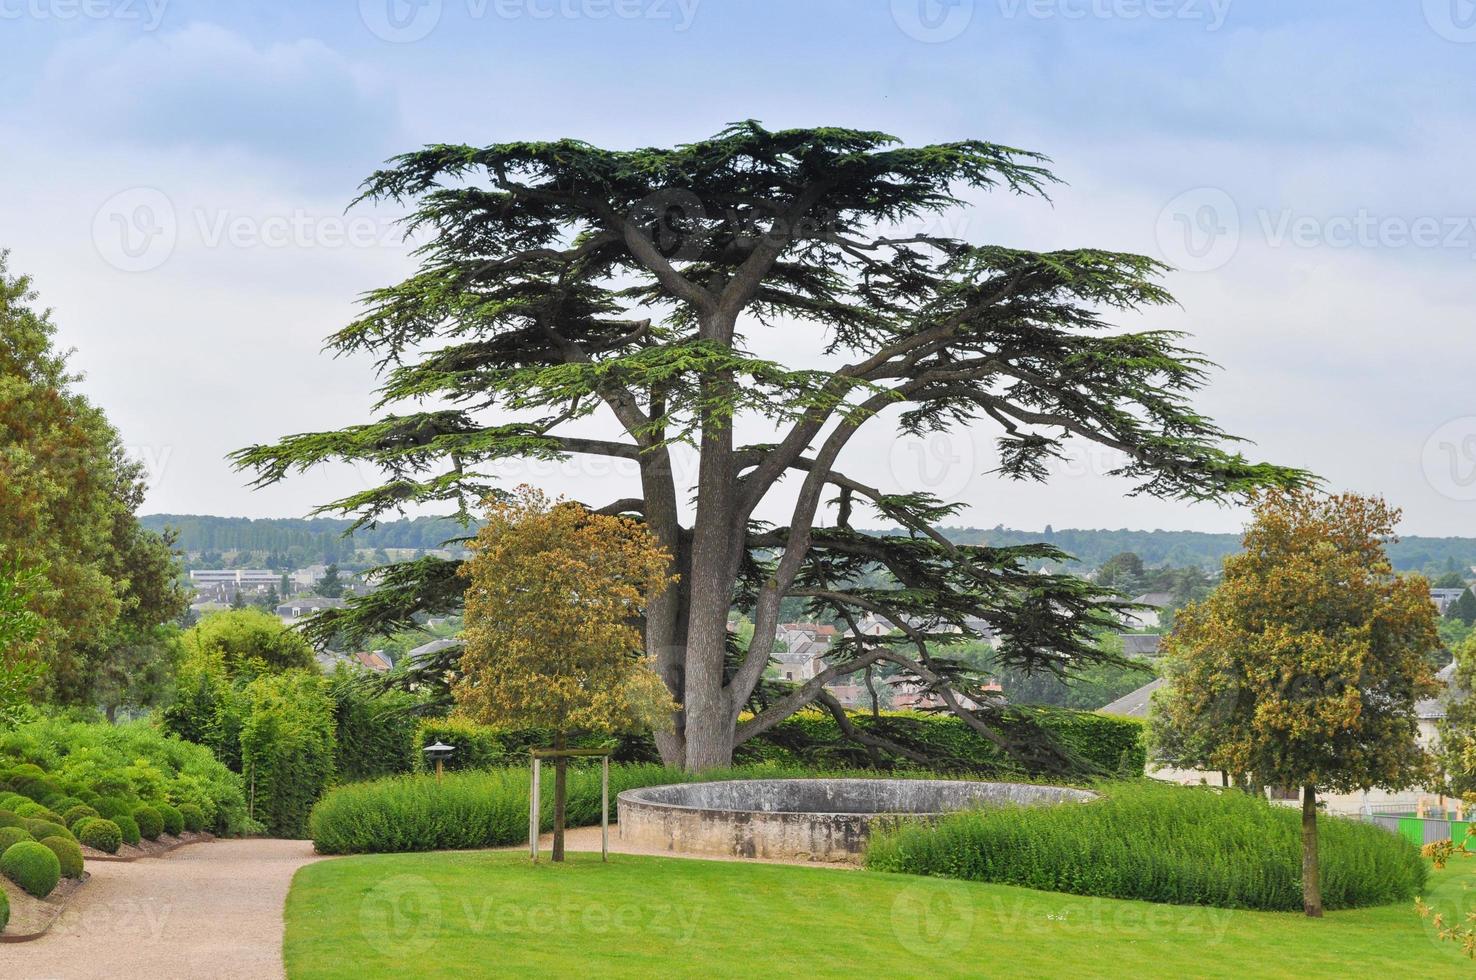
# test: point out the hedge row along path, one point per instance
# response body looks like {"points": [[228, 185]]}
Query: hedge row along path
{"points": [[208, 911]]}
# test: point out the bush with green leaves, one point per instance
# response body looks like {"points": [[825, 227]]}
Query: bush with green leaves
{"points": [[128, 827], [1157, 842], [4, 911], [287, 748], [8, 819], [100, 834], [114, 768], [375, 730], [194, 820], [150, 822], [67, 853], [40, 829], [173, 819], [32, 866], [13, 835], [78, 812]]}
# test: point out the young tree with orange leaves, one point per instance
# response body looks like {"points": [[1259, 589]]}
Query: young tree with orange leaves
{"points": [[553, 632], [1304, 666]]}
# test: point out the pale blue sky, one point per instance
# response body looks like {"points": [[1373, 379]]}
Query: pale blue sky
{"points": [[174, 175]]}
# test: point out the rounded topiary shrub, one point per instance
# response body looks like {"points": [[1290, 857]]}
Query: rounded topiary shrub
{"points": [[128, 828], [9, 819], [150, 823], [100, 835], [42, 829], [76, 813], [32, 866], [13, 835], [4, 911], [68, 853], [112, 806], [173, 819], [193, 817]]}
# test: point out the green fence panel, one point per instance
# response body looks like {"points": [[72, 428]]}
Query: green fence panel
{"points": [[1413, 830]]}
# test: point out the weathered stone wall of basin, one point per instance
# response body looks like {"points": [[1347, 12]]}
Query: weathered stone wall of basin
{"points": [[808, 819]]}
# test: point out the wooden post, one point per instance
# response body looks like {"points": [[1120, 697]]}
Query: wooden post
{"points": [[440, 767], [605, 808], [533, 807]]}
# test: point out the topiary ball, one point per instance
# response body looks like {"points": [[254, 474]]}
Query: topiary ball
{"points": [[100, 835], [193, 816], [8, 819], [111, 806], [173, 819], [128, 828], [32, 866], [42, 829], [13, 835], [150, 822], [76, 813], [67, 853]]}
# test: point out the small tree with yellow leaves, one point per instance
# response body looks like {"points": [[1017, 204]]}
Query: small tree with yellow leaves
{"points": [[1303, 667], [553, 625]]}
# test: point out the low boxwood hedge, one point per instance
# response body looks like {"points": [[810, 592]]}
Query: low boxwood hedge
{"points": [[150, 822], [100, 834], [13, 835], [128, 828], [76, 813], [32, 866], [9, 819], [193, 817], [173, 819], [41, 829], [68, 853]]}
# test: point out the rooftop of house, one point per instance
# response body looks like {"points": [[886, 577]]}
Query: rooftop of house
{"points": [[1134, 704], [1158, 600], [1140, 644]]}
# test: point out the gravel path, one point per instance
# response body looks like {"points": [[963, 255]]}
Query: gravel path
{"points": [[209, 911]]}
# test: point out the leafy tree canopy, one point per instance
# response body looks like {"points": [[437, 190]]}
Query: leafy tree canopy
{"points": [[564, 285]]}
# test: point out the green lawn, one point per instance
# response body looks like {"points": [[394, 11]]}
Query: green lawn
{"points": [[490, 914]]}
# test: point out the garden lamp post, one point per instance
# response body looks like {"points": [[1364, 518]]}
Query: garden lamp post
{"points": [[439, 753]]}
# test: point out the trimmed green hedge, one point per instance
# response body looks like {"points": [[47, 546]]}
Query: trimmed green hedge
{"points": [[150, 823], [1107, 745], [1157, 842], [100, 834], [287, 748], [13, 835], [128, 827], [67, 853], [4, 911], [173, 819], [193, 819], [32, 866]]}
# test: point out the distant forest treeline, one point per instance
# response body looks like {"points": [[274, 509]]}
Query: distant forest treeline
{"points": [[324, 536]]}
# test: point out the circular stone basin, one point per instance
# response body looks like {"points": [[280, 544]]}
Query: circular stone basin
{"points": [[804, 819]]}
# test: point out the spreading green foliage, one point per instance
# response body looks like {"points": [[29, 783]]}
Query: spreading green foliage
{"points": [[67, 853], [247, 643], [41, 829], [76, 813], [287, 747], [1159, 843], [116, 768], [33, 866], [99, 834], [1102, 745], [4, 911], [375, 730], [1457, 746], [150, 823], [560, 280], [20, 665]]}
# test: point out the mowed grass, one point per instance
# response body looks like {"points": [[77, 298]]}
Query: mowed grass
{"points": [[482, 914]]}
